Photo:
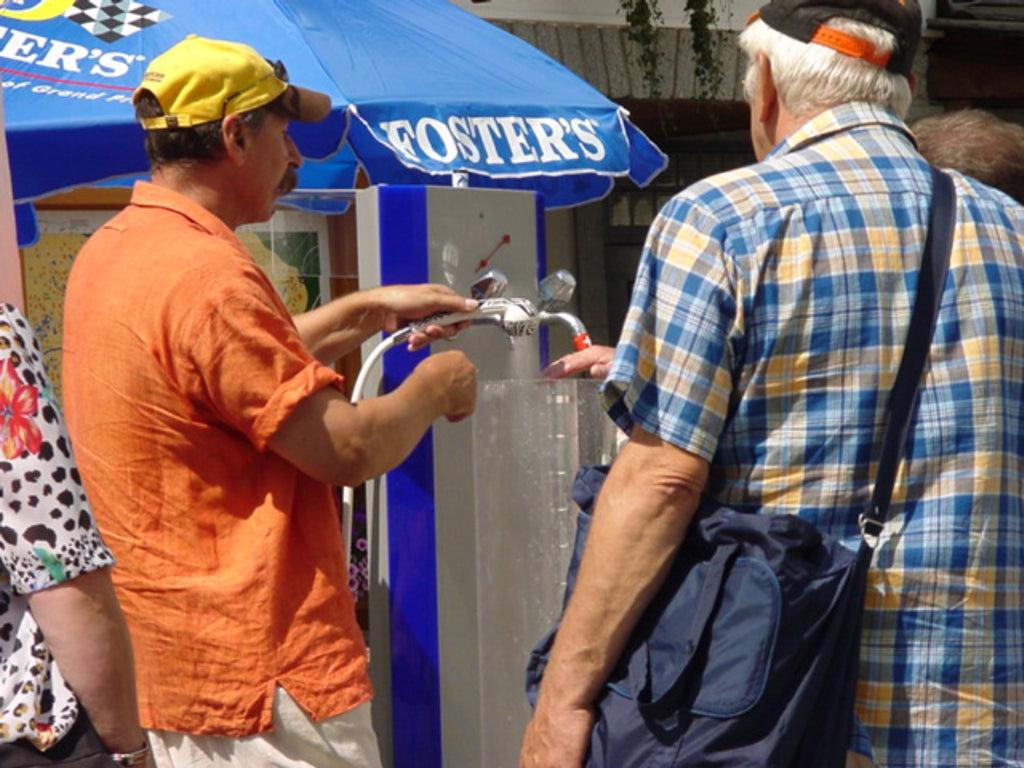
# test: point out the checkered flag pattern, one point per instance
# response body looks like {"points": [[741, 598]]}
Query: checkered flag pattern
{"points": [[111, 20]]}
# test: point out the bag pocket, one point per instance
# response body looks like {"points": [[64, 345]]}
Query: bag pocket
{"points": [[741, 641]]}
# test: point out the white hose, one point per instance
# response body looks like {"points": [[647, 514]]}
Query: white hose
{"points": [[347, 493], [516, 317]]}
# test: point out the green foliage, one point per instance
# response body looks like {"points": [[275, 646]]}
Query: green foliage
{"points": [[705, 47], [642, 20]]}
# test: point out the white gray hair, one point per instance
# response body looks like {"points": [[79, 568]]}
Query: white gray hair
{"points": [[811, 77]]}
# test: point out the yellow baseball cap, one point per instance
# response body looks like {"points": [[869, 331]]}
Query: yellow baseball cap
{"points": [[200, 80]]}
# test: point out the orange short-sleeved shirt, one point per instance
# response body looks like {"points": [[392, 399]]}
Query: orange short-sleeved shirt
{"points": [[180, 363]]}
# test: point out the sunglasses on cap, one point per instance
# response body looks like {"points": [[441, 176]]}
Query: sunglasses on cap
{"points": [[277, 69]]}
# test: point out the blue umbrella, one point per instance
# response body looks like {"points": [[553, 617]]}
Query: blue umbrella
{"points": [[421, 90]]}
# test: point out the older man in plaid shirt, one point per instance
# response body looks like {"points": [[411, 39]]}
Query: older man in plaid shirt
{"points": [[767, 322]]}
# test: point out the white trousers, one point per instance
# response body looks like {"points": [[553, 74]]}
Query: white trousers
{"points": [[345, 741]]}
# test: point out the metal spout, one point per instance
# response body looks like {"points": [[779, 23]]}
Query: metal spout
{"points": [[580, 336]]}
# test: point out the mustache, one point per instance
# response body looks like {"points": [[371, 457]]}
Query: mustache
{"points": [[288, 182]]}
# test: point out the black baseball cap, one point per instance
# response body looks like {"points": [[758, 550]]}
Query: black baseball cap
{"points": [[805, 21]]}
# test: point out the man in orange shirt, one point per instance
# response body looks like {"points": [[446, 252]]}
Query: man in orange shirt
{"points": [[211, 431]]}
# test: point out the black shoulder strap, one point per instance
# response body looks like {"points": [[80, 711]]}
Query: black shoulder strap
{"points": [[934, 264]]}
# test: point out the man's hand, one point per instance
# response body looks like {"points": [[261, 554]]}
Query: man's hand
{"points": [[403, 304], [557, 739], [453, 377], [595, 360], [338, 327]]}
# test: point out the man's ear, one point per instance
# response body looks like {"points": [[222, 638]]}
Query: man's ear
{"points": [[769, 94], [233, 134]]}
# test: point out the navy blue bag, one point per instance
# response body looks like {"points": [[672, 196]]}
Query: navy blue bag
{"points": [[747, 656]]}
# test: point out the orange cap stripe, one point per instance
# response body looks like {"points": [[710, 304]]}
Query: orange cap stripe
{"points": [[850, 45]]}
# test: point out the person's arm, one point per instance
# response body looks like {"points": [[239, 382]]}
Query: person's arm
{"points": [[595, 361], [342, 443], [71, 598], [86, 633], [340, 326], [643, 511]]}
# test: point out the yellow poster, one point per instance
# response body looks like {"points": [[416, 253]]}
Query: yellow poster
{"points": [[291, 249]]}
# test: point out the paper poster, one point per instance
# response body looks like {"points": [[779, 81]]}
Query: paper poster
{"points": [[291, 248]]}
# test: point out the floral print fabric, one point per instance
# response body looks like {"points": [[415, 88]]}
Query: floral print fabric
{"points": [[47, 536]]}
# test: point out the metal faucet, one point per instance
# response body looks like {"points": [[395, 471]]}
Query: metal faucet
{"points": [[580, 336], [516, 317], [554, 291]]}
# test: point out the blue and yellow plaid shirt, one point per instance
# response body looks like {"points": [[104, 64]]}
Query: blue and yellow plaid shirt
{"points": [[766, 326]]}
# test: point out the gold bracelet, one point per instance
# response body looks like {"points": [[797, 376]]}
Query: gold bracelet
{"points": [[132, 759]]}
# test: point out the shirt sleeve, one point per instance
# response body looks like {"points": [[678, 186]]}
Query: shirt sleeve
{"points": [[47, 533], [672, 371], [252, 365]]}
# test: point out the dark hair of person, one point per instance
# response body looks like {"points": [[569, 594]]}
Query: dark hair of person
{"points": [[978, 144], [199, 143]]}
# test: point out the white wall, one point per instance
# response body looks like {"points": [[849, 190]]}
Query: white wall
{"points": [[732, 14]]}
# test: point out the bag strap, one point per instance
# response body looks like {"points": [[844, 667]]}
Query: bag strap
{"points": [[934, 264]]}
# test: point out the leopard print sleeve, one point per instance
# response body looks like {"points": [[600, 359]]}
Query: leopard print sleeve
{"points": [[47, 534]]}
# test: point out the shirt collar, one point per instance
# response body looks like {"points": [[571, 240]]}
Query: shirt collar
{"points": [[149, 195], [843, 117]]}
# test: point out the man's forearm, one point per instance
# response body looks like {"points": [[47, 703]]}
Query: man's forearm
{"points": [[641, 516], [342, 443], [333, 330], [642, 513]]}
